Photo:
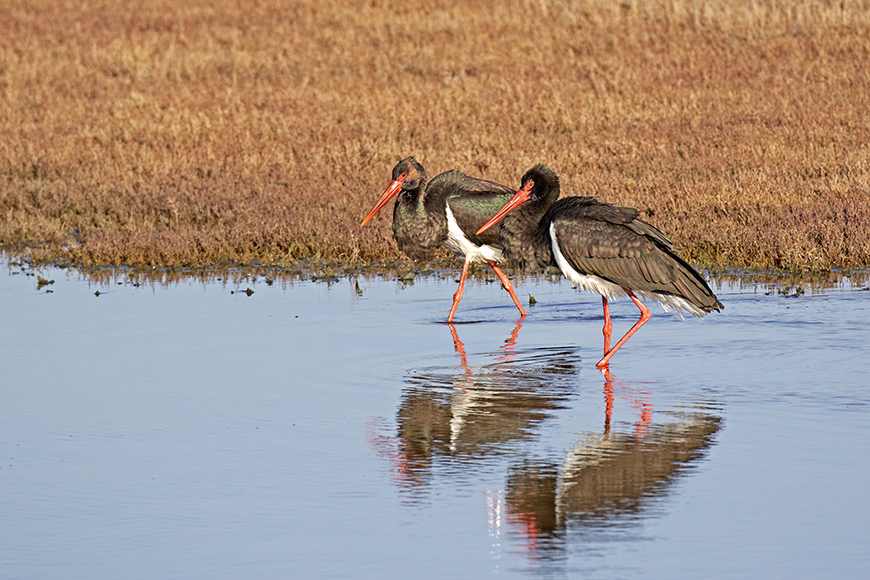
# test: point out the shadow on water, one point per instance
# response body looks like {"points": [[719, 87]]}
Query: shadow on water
{"points": [[454, 419]]}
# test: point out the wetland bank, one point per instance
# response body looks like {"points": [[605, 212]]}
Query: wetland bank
{"points": [[203, 133]]}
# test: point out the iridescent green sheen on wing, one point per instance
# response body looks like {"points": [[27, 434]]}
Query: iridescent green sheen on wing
{"points": [[472, 202]]}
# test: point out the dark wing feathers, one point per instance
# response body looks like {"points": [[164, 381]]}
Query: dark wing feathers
{"points": [[644, 229], [612, 243], [455, 183], [628, 216], [473, 210]]}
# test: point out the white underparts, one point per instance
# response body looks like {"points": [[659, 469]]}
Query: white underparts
{"points": [[461, 246], [592, 283]]}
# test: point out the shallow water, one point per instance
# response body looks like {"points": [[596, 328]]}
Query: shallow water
{"points": [[315, 430]]}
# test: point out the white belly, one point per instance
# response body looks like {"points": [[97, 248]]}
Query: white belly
{"points": [[588, 282], [461, 246]]}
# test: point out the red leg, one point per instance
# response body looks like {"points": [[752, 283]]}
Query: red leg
{"points": [[459, 291], [506, 284], [644, 316], [608, 326]]}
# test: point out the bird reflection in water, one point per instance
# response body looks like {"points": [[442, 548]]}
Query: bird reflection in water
{"points": [[508, 348], [468, 412], [606, 479], [640, 400], [460, 420]]}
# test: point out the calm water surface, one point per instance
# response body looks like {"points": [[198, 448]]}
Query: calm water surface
{"points": [[342, 430]]}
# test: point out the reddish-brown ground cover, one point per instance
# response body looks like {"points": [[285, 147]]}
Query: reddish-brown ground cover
{"points": [[210, 132]]}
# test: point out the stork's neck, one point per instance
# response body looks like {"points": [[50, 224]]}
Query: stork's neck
{"points": [[413, 201], [525, 236], [417, 206]]}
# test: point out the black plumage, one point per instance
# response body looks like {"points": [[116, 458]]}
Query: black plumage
{"points": [[424, 211], [600, 247]]}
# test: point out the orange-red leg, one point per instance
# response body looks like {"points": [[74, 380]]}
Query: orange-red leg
{"points": [[459, 291], [644, 316], [506, 284], [608, 326]]}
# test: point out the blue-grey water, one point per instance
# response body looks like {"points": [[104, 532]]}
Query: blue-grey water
{"points": [[343, 430]]}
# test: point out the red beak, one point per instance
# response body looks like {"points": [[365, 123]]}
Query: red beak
{"points": [[391, 191], [513, 203]]}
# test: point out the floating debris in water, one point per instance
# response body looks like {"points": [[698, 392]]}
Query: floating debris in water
{"points": [[532, 300], [40, 282], [787, 292], [328, 278]]}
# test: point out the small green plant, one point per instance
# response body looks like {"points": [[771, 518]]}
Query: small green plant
{"points": [[42, 282]]}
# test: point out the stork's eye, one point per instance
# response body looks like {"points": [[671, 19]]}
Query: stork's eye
{"points": [[402, 176]]}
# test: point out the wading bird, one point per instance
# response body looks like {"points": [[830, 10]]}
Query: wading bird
{"points": [[599, 247], [447, 210]]}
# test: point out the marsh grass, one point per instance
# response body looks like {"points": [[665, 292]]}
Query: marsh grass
{"points": [[200, 133]]}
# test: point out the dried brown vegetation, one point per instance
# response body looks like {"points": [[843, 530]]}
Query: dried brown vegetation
{"points": [[210, 132]]}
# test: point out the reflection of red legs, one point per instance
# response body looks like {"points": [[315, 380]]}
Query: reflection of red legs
{"points": [[391, 448], [608, 400], [506, 284], [531, 529], [608, 326], [646, 410], [459, 291], [511, 342], [460, 348], [644, 316], [637, 399]]}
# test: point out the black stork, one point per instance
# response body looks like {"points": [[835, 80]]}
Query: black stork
{"points": [[447, 210], [599, 247]]}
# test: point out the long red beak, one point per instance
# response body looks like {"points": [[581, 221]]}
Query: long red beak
{"points": [[513, 203], [391, 191]]}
